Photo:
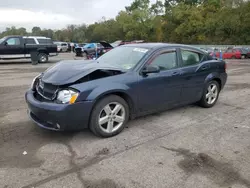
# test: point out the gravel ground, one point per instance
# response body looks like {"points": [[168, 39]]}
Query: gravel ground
{"points": [[182, 148]]}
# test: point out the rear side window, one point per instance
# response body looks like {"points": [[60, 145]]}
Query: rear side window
{"points": [[30, 41], [44, 41], [165, 61], [190, 57]]}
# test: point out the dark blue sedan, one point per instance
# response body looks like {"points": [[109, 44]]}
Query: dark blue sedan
{"points": [[127, 82]]}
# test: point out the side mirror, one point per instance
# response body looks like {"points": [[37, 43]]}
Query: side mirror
{"points": [[150, 69], [5, 43]]}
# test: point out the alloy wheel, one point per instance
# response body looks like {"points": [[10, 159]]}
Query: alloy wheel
{"points": [[112, 117], [212, 93], [43, 58]]}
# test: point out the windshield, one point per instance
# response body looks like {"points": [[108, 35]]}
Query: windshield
{"points": [[123, 57], [1, 40]]}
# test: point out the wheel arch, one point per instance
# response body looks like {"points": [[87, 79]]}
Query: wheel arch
{"points": [[43, 50], [214, 76], [219, 82]]}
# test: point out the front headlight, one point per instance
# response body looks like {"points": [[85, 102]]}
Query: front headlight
{"points": [[67, 96], [34, 82]]}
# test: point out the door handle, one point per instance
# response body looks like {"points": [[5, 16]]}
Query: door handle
{"points": [[204, 68]]}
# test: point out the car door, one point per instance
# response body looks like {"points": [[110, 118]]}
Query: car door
{"points": [[194, 70], [160, 90], [13, 48]]}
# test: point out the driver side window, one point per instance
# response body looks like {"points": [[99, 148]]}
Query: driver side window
{"points": [[13, 41], [165, 61]]}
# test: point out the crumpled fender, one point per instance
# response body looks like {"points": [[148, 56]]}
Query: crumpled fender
{"points": [[104, 90]]}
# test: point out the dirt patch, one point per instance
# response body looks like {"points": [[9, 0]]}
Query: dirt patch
{"points": [[104, 151], [26, 136], [221, 173]]}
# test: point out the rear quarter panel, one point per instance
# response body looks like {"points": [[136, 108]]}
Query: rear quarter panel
{"points": [[217, 71]]}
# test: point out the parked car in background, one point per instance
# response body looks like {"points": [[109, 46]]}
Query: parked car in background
{"points": [[229, 53], [80, 45], [62, 46], [92, 49], [20, 47], [248, 52], [232, 53], [124, 83], [243, 51]]}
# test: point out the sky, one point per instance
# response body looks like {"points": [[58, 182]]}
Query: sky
{"points": [[56, 14]]}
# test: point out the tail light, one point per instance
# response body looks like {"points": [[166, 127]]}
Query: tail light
{"points": [[225, 66]]}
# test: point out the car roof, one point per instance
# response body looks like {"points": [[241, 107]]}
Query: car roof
{"points": [[160, 45], [37, 37]]}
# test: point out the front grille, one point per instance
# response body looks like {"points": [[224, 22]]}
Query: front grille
{"points": [[46, 90]]}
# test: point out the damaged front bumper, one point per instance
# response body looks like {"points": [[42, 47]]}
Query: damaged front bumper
{"points": [[58, 117]]}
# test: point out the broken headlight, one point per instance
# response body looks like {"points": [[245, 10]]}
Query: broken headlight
{"points": [[67, 96], [35, 82]]}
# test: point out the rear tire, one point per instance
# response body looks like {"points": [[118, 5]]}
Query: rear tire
{"points": [[43, 58], [210, 94], [109, 116]]}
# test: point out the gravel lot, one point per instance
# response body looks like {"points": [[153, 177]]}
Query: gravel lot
{"points": [[188, 147]]}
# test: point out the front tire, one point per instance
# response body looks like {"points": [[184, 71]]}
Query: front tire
{"points": [[43, 58], [210, 94], [109, 116]]}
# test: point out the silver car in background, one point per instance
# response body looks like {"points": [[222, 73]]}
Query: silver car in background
{"points": [[61, 46]]}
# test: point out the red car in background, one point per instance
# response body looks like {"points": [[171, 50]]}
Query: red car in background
{"points": [[232, 54]]}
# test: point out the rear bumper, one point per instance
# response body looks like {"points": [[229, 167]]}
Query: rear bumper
{"points": [[58, 117]]}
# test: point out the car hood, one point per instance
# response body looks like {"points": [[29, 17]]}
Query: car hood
{"points": [[68, 72], [105, 44]]}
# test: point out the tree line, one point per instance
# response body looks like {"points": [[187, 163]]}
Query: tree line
{"points": [[174, 21]]}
